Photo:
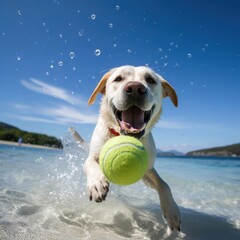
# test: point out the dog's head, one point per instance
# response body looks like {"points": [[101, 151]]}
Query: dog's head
{"points": [[133, 98]]}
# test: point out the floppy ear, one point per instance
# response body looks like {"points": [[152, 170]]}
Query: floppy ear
{"points": [[100, 88], [169, 91]]}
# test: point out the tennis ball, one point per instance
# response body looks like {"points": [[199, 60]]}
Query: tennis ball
{"points": [[123, 160]]}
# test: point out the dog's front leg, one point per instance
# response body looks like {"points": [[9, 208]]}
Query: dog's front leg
{"points": [[97, 184], [168, 205]]}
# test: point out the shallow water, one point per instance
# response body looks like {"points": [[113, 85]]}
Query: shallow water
{"points": [[43, 196]]}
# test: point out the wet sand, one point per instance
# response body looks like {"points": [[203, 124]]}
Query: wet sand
{"points": [[25, 145]]}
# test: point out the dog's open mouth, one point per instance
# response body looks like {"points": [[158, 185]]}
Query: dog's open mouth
{"points": [[133, 120]]}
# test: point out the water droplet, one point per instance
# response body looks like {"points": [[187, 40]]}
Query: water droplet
{"points": [[79, 81], [189, 55], [47, 73], [74, 68], [129, 50], [60, 63], [51, 66], [115, 45], [19, 13], [80, 33], [72, 55], [93, 16], [117, 7], [97, 52], [18, 58], [60, 35], [110, 25]]}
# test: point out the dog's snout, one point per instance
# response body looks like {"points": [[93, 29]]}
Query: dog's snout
{"points": [[135, 88]]}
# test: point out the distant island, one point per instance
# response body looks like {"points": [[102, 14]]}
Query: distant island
{"points": [[225, 151], [13, 134], [170, 153]]}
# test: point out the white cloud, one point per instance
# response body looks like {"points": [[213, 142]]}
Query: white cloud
{"points": [[37, 119], [69, 115], [51, 90], [20, 106], [62, 115]]}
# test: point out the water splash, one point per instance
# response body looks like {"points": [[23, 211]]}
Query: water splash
{"points": [[97, 52], [65, 182], [72, 55], [93, 16], [60, 63]]}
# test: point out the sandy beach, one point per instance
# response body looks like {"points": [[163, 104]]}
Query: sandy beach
{"points": [[25, 145]]}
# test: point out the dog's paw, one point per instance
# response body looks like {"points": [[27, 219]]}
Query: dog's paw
{"points": [[98, 188], [172, 215], [171, 212]]}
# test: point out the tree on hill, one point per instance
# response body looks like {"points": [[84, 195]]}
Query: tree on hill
{"points": [[11, 133]]}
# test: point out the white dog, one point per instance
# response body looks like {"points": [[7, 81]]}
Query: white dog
{"points": [[131, 105]]}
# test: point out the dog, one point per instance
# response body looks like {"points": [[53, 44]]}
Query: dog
{"points": [[131, 105]]}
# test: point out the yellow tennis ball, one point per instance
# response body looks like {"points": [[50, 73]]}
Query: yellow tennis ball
{"points": [[123, 160]]}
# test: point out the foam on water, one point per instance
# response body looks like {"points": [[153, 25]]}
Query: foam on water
{"points": [[43, 196]]}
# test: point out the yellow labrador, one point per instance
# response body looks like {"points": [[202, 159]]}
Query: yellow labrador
{"points": [[131, 105]]}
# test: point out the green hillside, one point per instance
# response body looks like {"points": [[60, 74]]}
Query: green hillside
{"points": [[12, 133], [225, 151]]}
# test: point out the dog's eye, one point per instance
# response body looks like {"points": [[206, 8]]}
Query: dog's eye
{"points": [[150, 79], [118, 79]]}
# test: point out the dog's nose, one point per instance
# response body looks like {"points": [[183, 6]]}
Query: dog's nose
{"points": [[134, 88]]}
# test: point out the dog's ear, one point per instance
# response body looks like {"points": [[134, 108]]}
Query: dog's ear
{"points": [[168, 91], [100, 88]]}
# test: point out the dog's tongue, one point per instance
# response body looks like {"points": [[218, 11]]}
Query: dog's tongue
{"points": [[132, 119]]}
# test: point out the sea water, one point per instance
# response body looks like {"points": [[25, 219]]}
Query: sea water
{"points": [[43, 196]]}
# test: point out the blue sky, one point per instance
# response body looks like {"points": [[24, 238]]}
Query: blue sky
{"points": [[53, 53]]}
